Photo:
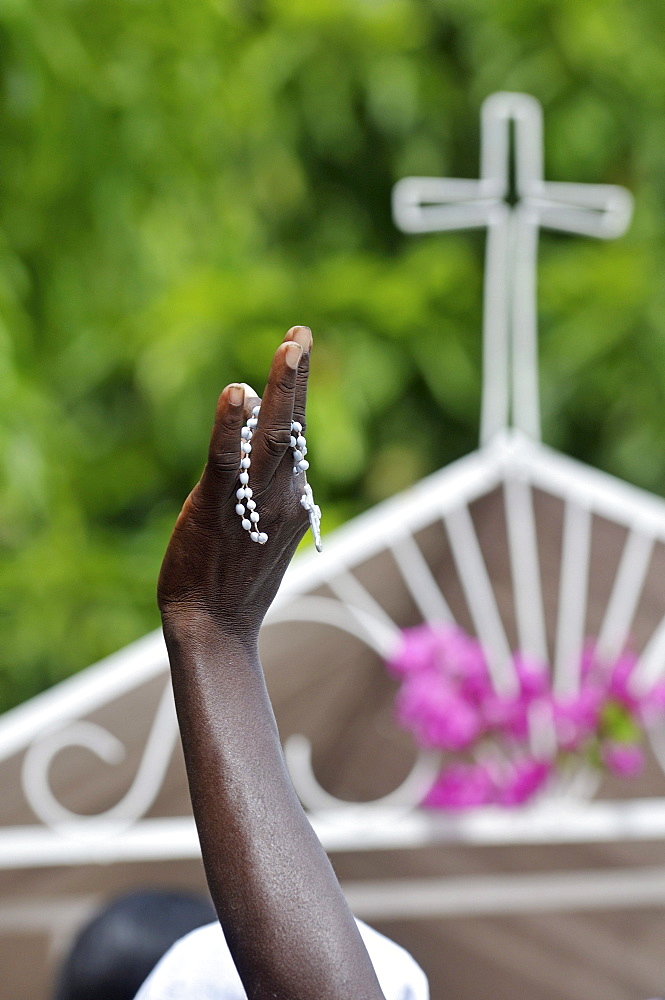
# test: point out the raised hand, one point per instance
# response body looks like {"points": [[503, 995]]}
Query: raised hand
{"points": [[285, 919], [211, 568]]}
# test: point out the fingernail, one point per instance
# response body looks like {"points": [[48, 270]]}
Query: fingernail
{"points": [[236, 394], [301, 335], [293, 353]]}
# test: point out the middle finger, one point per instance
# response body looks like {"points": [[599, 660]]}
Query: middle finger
{"points": [[273, 433]]}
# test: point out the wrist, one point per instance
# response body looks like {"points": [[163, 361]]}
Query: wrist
{"points": [[197, 632]]}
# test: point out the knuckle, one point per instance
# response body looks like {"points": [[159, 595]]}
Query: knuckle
{"points": [[228, 425], [282, 387], [223, 462], [276, 440], [303, 367]]}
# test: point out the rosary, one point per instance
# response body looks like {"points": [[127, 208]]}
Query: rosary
{"points": [[246, 506]]}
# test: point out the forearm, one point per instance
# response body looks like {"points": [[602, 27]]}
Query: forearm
{"points": [[284, 916]]}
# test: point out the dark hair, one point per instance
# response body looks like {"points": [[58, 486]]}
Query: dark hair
{"points": [[115, 952]]}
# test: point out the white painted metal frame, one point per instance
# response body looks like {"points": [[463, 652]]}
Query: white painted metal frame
{"points": [[434, 204], [511, 459], [52, 720]]}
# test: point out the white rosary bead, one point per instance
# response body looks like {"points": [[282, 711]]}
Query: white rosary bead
{"points": [[249, 523], [300, 464], [314, 511], [298, 444]]}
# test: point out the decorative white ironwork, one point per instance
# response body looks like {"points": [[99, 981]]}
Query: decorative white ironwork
{"points": [[404, 798], [136, 801], [510, 357], [122, 671], [523, 554], [367, 621], [480, 598], [433, 204], [519, 465], [352, 829], [626, 593], [573, 585], [391, 526]]}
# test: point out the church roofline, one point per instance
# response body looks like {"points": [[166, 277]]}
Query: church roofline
{"points": [[510, 453]]}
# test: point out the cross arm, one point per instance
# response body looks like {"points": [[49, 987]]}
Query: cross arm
{"points": [[601, 210], [434, 204]]}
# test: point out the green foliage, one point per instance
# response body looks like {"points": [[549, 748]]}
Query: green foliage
{"points": [[181, 182], [618, 725]]}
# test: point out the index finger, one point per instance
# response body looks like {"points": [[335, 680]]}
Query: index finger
{"points": [[273, 433], [221, 468]]}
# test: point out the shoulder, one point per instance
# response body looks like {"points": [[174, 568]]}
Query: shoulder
{"points": [[200, 966]]}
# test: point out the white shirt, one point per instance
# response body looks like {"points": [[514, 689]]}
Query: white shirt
{"points": [[200, 967]]}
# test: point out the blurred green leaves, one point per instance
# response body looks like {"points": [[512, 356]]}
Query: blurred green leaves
{"points": [[180, 183]]}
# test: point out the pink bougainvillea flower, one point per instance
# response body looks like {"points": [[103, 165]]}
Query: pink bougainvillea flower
{"points": [[507, 716], [619, 686], [446, 649], [417, 652], [461, 786], [447, 699], [436, 714], [523, 781], [588, 663], [652, 704], [533, 677], [625, 759], [576, 717], [461, 658]]}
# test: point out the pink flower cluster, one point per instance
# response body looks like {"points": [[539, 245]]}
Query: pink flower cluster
{"points": [[448, 701]]}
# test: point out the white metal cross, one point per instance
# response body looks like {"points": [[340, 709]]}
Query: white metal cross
{"points": [[431, 204]]}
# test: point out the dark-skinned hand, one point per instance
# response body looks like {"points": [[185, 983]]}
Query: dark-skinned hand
{"points": [[212, 570]]}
